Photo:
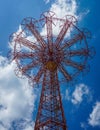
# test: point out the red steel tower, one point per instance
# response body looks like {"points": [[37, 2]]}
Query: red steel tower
{"points": [[48, 51]]}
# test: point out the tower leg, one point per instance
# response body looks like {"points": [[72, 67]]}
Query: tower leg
{"points": [[50, 114]]}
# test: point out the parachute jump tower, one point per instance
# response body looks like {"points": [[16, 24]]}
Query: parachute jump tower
{"points": [[50, 51]]}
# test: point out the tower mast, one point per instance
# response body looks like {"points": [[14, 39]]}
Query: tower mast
{"points": [[50, 113]]}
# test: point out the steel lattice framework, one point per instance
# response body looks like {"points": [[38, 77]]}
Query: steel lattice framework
{"points": [[47, 50]]}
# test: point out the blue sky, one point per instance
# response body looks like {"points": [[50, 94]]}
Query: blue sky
{"points": [[18, 101]]}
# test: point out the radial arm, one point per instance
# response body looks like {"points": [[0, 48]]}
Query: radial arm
{"points": [[19, 55], [37, 35], [80, 52], [72, 41], [64, 72], [62, 32], [26, 43], [29, 66], [74, 64], [39, 74], [49, 31]]}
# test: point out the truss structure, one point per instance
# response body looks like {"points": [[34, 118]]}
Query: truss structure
{"points": [[48, 51]]}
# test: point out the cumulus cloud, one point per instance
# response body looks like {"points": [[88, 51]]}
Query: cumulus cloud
{"points": [[16, 97], [80, 93], [94, 118], [64, 7], [2, 128]]}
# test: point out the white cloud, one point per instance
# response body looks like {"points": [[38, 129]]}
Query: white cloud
{"points": [[13, 37], [46, 1], [83, 14], [81, 90], [80, 93], [94, 118], [84, 125], [67, 95], [64, 7], [16, 97], [2, 128]]}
